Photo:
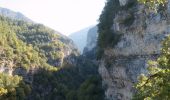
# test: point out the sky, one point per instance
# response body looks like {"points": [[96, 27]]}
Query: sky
{"points": [[65, 16]]}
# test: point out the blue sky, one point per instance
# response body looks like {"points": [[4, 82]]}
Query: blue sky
{"points": [[65, 16]]}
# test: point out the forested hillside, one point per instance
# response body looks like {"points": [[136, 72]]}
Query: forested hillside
{"points": [[16, 54], [43, 39], [37, 63]]}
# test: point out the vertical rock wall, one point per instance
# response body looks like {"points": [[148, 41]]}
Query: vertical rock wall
{"points": [[141, 31]]}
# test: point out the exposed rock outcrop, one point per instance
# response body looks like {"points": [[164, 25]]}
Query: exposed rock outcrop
{"points": [[141, 31]]}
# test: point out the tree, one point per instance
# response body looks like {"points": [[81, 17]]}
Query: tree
{"points": [[156, 85]]}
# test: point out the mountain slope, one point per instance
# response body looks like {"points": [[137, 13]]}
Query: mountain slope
{"points": [[43, 39], [91, 43], [17, 61], [40, 64]]}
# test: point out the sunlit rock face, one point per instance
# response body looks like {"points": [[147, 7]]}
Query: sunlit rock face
{"points": [[141, 31]]}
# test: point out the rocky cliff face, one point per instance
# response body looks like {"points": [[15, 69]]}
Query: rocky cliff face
{"points": [[141, 32]]}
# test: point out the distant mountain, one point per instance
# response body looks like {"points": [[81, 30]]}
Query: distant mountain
{"points": [[91, 39], [80, 38], [91, 43], [13, 15]]}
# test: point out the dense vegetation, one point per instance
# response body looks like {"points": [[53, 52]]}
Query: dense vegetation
{"points": [[13, 87], [72, 83], [43, 39], [14, 52]]}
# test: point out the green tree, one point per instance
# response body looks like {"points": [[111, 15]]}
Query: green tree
{"points": [[156, 85], [13, 87]]}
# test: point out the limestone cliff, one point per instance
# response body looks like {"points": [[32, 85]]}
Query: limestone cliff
{"points": [[141, 32]]}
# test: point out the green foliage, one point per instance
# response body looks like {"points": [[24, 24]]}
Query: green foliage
{"points": [[13, 88], [44, 39], [32, 46], [15, 52], [156, 85], [41, 39], [153, 4]]}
